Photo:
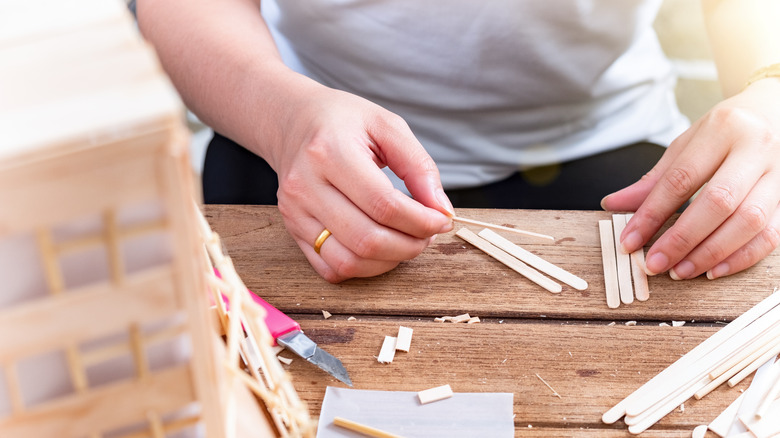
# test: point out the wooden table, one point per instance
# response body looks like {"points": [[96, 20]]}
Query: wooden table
{"points": [[565, 338]]}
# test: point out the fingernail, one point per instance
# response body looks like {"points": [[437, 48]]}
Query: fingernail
{"points": [[720, 270], [444, 201], [603, 201], [683, 270], [631, 243], [656, 263], [432, 239]]}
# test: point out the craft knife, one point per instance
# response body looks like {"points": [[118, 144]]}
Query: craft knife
{"points": [[289, 335]]}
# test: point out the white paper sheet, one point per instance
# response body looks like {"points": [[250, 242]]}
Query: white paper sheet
{"points": [[400, 412]]}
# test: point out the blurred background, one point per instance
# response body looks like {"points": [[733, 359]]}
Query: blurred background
{"points": [[680, 27]]}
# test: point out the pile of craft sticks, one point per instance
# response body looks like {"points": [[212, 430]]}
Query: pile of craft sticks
{"points": [[729, 355], [624, 274], [522, 261]]}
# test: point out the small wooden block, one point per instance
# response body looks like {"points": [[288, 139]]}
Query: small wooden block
{"points": [[460, 318], [387, 352], [610, 263], [434, 394], [404, 340]]}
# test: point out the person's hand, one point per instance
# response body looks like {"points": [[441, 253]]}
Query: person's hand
{"points": [[329, 166], [733, 155]]}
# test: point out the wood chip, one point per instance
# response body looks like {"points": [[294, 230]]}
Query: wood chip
{"points": [[461, 318], [387, 352], [351, 318], [678, 323], [439, 319], [404, 339], [284, 360], [326, 314], [434, 394], [630, 323], [473, 320]]}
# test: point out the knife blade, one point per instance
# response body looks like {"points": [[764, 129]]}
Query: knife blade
{"points": [[289, 335]]}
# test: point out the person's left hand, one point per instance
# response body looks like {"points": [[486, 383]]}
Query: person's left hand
{"points": [[733, 155]]}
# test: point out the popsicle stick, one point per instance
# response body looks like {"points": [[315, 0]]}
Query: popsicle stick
{"points": [[387, 352], [765, 339], [638, 273], [772, 391], [508, 260], [363, 429], [534, 260], [434, 394], [404, 339], [748, 370], [499, 227], [701, 350], [623, 261], [722, 423], [610, 264]]}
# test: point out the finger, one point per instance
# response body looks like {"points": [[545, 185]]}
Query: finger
{"points": [[751, 253], [354, 229], [716, 202], [630, 198], [749, 220], [335, 263]]}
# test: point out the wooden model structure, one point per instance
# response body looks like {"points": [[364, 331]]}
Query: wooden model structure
{"points": [[105, 321]]}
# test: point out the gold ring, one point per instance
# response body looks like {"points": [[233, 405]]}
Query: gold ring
{"points": [[320, 240]]}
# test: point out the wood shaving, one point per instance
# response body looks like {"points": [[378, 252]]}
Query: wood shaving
{"points": [[554, 392], [678, 323], [461, 318], [351, 318], [473, 320], [284, 360], [630, 323], [326, 314]]}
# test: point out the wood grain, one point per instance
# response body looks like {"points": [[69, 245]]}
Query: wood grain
{"points": [[270, 263]]}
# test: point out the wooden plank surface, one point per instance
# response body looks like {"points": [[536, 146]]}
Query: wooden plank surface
{"points": [[565, 338]]}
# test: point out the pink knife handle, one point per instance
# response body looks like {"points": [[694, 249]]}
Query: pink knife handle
{"points": [[278, 323]]}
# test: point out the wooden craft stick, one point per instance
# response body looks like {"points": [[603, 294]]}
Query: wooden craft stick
{"points": [[534, 260], [748, 370], [685, 382], [761, 344], [638, 273], [508, 260], [363, 429], [738, 366], [722, 423], [434, 394], [499, 227], [623, 261], [404, 340], [610, 264], [772, 391], [387, 352], [709, 344]]}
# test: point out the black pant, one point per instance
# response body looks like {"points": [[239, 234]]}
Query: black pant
{"points": [[233, 175]]}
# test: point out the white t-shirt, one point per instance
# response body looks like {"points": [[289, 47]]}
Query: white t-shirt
{"points": [[494, 86]]}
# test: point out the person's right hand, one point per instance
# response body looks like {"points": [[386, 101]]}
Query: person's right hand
{"points": [[329, 162]]}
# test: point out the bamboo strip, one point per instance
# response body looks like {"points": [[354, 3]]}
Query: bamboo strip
{"points": [[139, 353], [111, 236], [51, 267], [76, 366], [608, 259], [85, 242], [155, 424], [99, 355], [534, 260], [513, 263], [363, 429], [14, 391], [499, 227]]}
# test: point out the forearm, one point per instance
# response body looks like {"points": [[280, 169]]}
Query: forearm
{"points": [[745, 36], [224, 63]]}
